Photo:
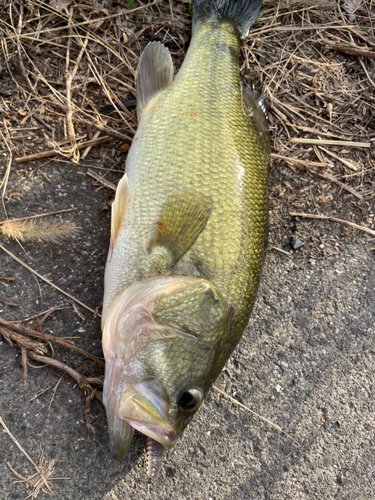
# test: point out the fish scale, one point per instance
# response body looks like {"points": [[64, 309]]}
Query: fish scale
{"points": [[188, 233], [217, 152]]}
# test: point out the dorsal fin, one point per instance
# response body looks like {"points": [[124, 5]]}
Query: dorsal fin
{"points": [[182, 219], [255, 104], [155, 72], [119, 208]]}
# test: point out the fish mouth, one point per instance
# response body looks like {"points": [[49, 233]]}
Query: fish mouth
{"points": [[144, 406]]}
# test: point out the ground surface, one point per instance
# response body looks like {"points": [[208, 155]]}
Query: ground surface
{"points": [[306, 360]]}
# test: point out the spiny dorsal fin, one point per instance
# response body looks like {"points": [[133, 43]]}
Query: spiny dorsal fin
{"points": [[255, 104], [182, 219], [119, 208], [155, 72]]}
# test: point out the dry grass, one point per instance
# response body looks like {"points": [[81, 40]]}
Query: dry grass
{"points": [[314, 59], [41, 231], [39, 481]]}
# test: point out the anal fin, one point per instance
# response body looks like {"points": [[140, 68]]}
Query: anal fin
{"points": [[182, 219], [155, 72]]}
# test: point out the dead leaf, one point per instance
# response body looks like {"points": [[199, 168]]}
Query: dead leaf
{"points": [[350, 6], [59, 5]]}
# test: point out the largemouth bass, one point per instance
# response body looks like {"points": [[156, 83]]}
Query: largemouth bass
{"points": [[189, 231]]}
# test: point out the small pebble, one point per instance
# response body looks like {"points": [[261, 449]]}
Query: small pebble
{"points": [[1, 370], [296, 244]]}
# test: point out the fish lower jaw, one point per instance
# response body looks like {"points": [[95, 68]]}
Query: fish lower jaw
{"points": [[165, 437]]}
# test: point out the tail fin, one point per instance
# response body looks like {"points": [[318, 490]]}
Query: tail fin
{"points": [[241, 13]]}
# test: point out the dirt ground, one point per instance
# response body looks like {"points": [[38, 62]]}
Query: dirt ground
{"points": [[307, 358]]}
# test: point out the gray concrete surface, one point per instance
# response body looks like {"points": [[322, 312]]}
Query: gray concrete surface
{"points": [[306, 362]]}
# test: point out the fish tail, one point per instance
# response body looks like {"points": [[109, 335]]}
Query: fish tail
{"points": [[240, 13]]}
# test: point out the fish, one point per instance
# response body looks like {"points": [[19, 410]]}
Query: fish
{"points": [[188, 232]]}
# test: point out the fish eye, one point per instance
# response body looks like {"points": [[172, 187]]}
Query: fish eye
{"points": [[190, 399]]}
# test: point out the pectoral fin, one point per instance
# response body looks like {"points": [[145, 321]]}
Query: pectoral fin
{"points": [[155, 72], [181, 221], [119, 208]]}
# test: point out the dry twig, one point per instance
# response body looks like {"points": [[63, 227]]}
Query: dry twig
{"points": [[253, 412], [13, 327], [36, 467], [101, 179], [352, 144], [48, 282], [39, 215], [334, 219], [83, 382], [54, 152]]}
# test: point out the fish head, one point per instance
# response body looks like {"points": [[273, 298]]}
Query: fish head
{"points": [[161, 340]]}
